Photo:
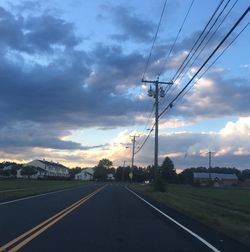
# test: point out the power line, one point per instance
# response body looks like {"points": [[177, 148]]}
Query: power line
{"points": [[146, 139], [152, 47], [186, 60], [209, 39], [154, 40], [213, 62], [170, 105], [176, 38], [148, 120], [198, 47], [197, 40], [133, 149]]}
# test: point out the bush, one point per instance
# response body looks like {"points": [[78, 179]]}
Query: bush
{"points": [[159, 185], [196, 183]]}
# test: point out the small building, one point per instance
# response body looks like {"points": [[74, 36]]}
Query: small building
{"points": [[86, 174], [7, 168], [110, 177], [218, 179]]}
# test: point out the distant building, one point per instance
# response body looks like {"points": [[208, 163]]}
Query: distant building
{"points": [[85, 174], [110, 176], [218, 179], [7, 168], [46, 169]]}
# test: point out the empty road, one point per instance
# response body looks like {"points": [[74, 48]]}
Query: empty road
{"points": [[95, 217]]}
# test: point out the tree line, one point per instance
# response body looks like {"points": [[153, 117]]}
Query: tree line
{"points": [[167, 172]]}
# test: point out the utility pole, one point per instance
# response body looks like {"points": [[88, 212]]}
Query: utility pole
{"points": [[124, 162], [133, 149], [209, 162], [155, 94]]}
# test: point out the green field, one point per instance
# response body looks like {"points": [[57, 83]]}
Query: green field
{"points": [[13, 189], [226, 209]]}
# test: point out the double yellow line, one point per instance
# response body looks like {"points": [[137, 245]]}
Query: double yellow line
{"points": [[25, 238]]}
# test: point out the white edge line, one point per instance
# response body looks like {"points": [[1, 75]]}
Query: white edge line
{"points": [[35, 196], [176, 222]]}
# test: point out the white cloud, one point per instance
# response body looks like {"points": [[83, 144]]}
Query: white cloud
{"points": [[174, 123], [241, 127]]}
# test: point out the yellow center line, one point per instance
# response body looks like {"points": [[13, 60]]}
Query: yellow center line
{"points": [[51, 221]]}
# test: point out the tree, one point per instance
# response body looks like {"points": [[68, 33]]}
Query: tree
{"points": [[246, 174], [167, 170], [105, 163], [101, 169], [74, 171], [11, 170], [28, 170]]}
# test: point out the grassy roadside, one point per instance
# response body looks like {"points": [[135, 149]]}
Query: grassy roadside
{"points": [[13, 189], [227, 210]]}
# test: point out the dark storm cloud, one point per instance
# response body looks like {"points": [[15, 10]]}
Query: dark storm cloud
{"points": [[76, 88], [56, 93], [113, 67], [29, 134], [35, 34], [64, 93], [132, 27], [29, 5], [11, 30], [46, 31]]}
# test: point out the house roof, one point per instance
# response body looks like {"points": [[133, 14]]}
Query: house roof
{"points": [[52, 163], [89, 171], [206, 175], [40, 169]]}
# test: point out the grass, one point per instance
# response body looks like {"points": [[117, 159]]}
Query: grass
{"points": [[13, 189], [226, 209]]}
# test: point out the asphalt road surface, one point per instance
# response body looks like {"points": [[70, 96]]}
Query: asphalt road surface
{"points": [[95, 217]]}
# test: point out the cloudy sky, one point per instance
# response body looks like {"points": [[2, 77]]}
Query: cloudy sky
{"points": [[71, 91]]}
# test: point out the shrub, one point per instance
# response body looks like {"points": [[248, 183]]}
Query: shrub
{"points": [[159, 185]]}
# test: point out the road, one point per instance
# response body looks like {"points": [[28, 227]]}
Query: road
{"points": [[94, 217]]}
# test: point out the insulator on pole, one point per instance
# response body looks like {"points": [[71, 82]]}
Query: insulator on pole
{"points": [[150, 92], [162, 92]]}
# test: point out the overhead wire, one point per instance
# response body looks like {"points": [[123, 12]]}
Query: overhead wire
{"points": [[170, 51], [151, 49], [176, 38], [192, 52], [209, 39], [145, 140], [216, 59], [183, 73], [154, 40], [197, 40], [146, 127], [170, 105], [173, 48], [150, 53]]}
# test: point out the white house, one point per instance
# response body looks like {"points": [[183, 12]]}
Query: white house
{"points": [[50, 169], [7, 168], [110, 176], [85, 174]]}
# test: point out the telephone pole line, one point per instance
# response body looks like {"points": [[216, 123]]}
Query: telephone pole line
{"points": [[155, 94], [209, 162], [133, 149], [123, 167]]}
